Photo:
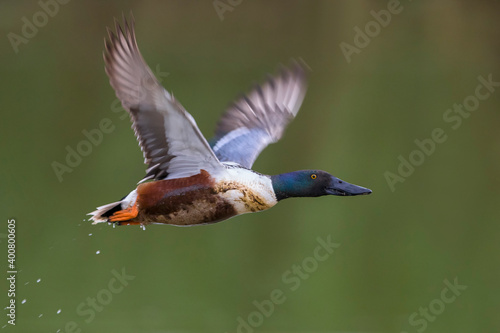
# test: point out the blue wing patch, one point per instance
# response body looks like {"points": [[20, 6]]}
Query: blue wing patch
{"points": [[241, 145]]}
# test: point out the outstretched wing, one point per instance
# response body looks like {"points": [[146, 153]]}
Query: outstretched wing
{"points": [[172, 144], [260, 118]]}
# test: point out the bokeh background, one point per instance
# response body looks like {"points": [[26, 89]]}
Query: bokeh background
{"points": [[396, 247]]}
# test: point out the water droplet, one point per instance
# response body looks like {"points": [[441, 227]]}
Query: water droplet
{"points": [[40, 316], [98, 251], [23, 301], [114, 225], [26, 283], [90, 234], [58, 311], [37, 281]]}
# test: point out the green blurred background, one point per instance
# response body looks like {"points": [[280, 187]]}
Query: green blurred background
{"points": [[397, 247]]}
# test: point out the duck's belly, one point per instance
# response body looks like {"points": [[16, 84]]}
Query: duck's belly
{"points": [[187, 209], [183, 202]]}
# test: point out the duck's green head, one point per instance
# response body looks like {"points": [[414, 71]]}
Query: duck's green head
{"points": [[312, 183]]}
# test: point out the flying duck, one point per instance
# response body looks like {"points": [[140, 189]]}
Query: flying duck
{"points": [[189, 181]]}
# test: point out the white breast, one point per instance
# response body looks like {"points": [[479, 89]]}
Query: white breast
{"points": [[247, 190]]}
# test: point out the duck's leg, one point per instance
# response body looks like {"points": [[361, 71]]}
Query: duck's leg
{"points": [[125, 215]]}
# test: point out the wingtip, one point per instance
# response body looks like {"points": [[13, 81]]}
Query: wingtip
{"points": [[296, 68], [132, 18], [301, 63], [120, 28]]}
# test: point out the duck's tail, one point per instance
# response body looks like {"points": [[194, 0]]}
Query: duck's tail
{"points": [[102, 213]]}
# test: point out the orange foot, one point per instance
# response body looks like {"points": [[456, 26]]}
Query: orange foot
{"points": [[125, 214]]}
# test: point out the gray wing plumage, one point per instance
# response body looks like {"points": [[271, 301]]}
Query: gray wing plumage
{"points": [[172, 144], [260, 118]]}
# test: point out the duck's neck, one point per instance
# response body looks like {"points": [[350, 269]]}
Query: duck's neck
{"points": [[286, 185]]}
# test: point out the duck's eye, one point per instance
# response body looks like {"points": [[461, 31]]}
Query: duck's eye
{"points": [[313, 176]]}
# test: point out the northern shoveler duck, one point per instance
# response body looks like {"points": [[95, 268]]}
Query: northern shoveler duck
{"points": [[189, 181]]}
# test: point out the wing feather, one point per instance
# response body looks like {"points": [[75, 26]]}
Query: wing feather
{"points": [[172, 144], [261, 116]]}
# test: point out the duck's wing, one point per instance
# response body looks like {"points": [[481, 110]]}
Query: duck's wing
{"points": [[260, 118], [170, 140]]}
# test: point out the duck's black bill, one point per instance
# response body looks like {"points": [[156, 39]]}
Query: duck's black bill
{"points": [[340, 187]]}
